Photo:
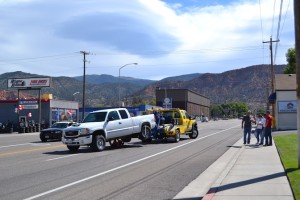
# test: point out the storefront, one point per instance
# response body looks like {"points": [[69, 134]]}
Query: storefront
{"points": [[286, 102], [52, 110]]}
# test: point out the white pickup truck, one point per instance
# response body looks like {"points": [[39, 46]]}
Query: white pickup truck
{"points": [[101, 126]]}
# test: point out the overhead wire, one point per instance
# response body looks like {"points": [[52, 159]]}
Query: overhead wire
{"points": [[262, 34], [278, 29], [274, 6]]}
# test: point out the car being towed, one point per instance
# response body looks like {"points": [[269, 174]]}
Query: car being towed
{"points": [[55, 130]]}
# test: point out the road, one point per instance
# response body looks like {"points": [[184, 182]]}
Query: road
{"points": [[31, 169]]}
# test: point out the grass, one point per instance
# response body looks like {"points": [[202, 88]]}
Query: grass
{"points": [[287, 146]]}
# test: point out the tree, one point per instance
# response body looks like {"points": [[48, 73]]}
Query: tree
{"points": [[291, 59]]}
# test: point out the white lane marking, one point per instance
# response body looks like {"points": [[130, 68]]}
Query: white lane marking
{"points": [[62, 157], [14, 145], [33, 144], [122, 166]]}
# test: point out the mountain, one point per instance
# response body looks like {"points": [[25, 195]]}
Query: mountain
{"points": [[67, 88], [185, 77], [104, 78], [250, 84]]}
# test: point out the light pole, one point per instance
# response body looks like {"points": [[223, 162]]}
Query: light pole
{"points": [[75, 94], [119, 80]]}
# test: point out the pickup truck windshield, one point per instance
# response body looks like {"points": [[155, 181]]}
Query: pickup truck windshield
{"points": [[95, 117]]}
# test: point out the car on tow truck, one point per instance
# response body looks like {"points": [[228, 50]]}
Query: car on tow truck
{"points": [[115, 126]]}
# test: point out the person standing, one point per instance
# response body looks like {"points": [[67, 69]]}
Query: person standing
{"points": [[259, 128], [263, 129], [268, 129], [246, 126]]}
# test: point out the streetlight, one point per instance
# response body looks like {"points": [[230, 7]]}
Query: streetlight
{"points": [[75, 94], [120, 77]]}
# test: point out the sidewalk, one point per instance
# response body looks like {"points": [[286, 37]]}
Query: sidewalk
{"points": [[243, 172]]}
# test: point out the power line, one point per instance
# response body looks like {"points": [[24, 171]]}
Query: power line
{"points": [[278, 28]]}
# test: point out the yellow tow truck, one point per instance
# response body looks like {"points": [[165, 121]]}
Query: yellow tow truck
{"points": [[172, 123]]}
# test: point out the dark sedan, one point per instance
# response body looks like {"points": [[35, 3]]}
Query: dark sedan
{"points": [[55, 131]]}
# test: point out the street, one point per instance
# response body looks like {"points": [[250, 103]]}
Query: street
{"points": [[31, 169]]}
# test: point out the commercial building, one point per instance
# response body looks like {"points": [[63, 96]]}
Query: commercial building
{"points": [[286, 102], [192, 102], [52, 110]]}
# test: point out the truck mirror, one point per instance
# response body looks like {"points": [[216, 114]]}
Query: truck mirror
{"points": [[110, 119]]}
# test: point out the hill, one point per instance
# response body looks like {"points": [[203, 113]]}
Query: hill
{"points": [[250, 84]]}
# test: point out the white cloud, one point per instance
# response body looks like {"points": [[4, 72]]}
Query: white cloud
{"points": [[164, 39]]}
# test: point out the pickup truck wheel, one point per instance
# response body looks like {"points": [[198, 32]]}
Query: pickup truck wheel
{"points": [[98, 143], [193, 134], [73, 148], [177, 136], [145, 134]]}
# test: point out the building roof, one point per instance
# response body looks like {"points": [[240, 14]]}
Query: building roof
{"points": [[285, 82]]}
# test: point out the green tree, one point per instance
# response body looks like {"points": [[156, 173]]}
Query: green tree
{"points": [[291, 59]]}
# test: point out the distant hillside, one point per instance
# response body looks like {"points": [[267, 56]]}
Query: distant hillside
{"points": [[248, 84], [104, 78], [186, 77]]}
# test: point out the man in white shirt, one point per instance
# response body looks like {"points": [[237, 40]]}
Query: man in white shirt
{"points": [[263, 120]]}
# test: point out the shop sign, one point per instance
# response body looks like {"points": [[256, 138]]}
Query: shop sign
{"points": [[28, 82], [167, 103], [287, 106], [29, 104]]}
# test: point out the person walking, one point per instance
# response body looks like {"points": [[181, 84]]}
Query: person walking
{"points": [[259, 128], [268, 129], [246, 126]]}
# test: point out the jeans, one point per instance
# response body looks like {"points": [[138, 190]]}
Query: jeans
{"points": [[262, 136], [247, 131], [268, 136], [259, 135]]}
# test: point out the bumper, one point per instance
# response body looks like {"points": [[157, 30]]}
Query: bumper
{"points": [[84, 140]]}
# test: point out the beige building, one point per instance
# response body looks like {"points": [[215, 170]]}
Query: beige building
{"points": [[286, 102], [192, 102]]}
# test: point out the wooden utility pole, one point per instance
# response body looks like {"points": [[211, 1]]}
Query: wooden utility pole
{"points": [[83, 87], [297, 42], [272, 71]]}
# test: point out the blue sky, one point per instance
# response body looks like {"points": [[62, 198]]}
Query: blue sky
{"points": [[166, 38]]}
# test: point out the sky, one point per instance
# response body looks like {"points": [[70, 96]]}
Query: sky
{"points": [[165, 37]]}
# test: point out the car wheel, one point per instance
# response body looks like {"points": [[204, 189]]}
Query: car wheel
{"points": [[98, 143], [43, 139], [73, 148], [194, 133], [177, 136]]}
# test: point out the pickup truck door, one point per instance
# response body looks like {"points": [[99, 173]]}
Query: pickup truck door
{"points": [[116, 127]]}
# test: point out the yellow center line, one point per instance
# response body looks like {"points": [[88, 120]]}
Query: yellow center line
{"points": [[29, 150]]}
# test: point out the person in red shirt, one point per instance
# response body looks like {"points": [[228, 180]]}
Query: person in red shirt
{"points": [[268, 129]]}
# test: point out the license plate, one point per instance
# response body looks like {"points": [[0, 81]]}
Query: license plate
{"points": [[46, 136]]}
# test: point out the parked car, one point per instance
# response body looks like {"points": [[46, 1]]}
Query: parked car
{"points": [[55, 130]]}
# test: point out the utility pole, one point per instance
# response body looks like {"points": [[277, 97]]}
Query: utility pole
{"points": [[297, 38], [83, 87], [272, 71]]}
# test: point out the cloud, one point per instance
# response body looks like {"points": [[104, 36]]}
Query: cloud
{"points": [[122, 32], [166, 38]]}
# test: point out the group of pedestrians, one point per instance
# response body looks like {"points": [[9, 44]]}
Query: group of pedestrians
{"points": [[263, 128]]}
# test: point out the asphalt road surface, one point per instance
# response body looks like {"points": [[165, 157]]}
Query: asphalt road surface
{"points": [[31, 169]]}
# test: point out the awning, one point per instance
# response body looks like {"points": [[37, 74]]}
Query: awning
{"points": [[272, 98]]}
